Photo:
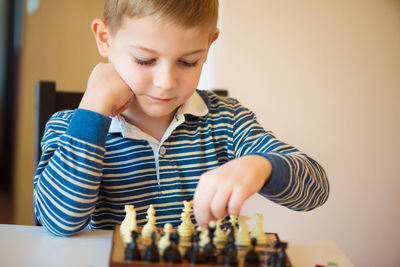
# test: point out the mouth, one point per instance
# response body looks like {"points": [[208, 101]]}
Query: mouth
{"points": [[161, 100]]}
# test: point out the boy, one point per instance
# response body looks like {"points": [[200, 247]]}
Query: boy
{"points": [[144, 135]]}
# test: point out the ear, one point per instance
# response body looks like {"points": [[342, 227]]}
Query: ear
{"points": [[102, 35], [212, 39]]}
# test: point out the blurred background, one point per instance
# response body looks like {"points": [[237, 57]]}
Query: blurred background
{"points": [[324, 76]]}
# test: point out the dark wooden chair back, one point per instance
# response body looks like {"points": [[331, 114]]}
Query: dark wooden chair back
{"points": [[48, 102]]}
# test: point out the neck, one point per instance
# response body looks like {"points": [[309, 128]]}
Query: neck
{"points": [[154, 126]]}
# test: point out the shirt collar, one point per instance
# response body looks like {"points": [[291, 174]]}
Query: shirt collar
{"points": [[195, 105]]}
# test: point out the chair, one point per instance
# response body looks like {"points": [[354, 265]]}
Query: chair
{"points": [[48, 102]]}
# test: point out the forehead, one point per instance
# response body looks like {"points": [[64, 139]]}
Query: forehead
{"points": [[161, 36]]}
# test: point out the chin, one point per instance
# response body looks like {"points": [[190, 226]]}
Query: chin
{"points": [[160, 113]]}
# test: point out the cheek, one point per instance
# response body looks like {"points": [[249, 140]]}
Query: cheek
{"points": [[134, 76]]}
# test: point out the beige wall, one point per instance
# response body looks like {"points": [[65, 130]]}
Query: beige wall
{"points": [[323, 75], [58, 46]]}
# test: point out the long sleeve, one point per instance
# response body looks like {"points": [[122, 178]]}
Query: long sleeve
{"points": [[297, 181], [68, 177]]}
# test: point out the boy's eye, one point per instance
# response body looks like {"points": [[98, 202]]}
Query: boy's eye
{"points": [[145, 62], [188, 64]]}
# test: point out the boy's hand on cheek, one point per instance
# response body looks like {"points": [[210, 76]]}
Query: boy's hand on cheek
{"points": [[224, 190], [106, 92]]}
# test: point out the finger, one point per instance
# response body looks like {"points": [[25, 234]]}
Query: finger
{"points": [[236, 201], [219, 204], [201, 201]]}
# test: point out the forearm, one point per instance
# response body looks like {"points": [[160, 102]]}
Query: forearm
{"points": [[297, 181], [69, 174]]}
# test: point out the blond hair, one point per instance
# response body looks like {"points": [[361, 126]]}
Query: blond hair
{"points": [[187, 13]]}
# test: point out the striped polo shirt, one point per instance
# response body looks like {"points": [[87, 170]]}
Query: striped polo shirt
{"points": [[92, 165]]}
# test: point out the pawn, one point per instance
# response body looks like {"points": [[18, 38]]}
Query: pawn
{"points": [[152, 254], [171, 253], [231, 241], [164, 241], [282, 258], [193, 252], [132, 252], [272, 259], [230, 257], [281, 261], [210, 250], [252, 256]]}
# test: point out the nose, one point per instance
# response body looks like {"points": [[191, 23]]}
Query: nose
{"points": [[165, 78]]}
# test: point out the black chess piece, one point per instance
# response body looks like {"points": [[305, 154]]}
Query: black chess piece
{"points": [[132, 252], [231, 241], [252, 256], [194, 255], [189, 250], [272, 259], [230, 257], [210, 250], [282, 257], [152, 254], [171, 253], [280, 262]]}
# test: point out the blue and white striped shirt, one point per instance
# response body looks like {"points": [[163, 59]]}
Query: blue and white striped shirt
{"points": [[89, 170]]}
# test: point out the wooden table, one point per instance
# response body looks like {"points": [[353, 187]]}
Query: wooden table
{"points": [[34, 246]]}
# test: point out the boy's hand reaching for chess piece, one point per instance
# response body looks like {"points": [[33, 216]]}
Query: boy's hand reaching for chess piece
{"points": [[224, 190], [106, 92]]}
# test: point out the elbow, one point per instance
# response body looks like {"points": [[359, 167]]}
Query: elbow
{"points": [[61, 228], [315, 197]]}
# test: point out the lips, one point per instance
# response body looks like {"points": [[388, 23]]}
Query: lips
{"points": [[162, 100]]}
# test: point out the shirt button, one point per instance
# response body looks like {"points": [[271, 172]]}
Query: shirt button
{"points": [[163, 150]]}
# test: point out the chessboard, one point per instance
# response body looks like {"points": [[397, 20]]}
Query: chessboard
{"points": [[265, 252]]}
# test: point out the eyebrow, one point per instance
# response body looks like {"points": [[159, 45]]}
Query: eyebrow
{"points": [[155, 52]]}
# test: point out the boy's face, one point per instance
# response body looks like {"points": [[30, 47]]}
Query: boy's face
{"points": [[160, 62]]}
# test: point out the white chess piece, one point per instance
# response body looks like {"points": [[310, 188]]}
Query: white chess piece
{"points": [[150, 226], [243, 234], [164, 240], [219, 234], [258, 231], [186, 228], [128, 224], [204, 240]]}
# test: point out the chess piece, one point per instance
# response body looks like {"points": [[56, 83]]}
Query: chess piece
{"points": [[152, 254], [203, 236], [230, 255], [193, 252], [164, 240], [282, 257], [219, 235], [233, 221], [128, 224], [258, 231], [186, 228], [231, 241], [243, 236], [150, 226], [171, 253], [252, 256], [210, 250], [272, 259], [132, 252]]}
